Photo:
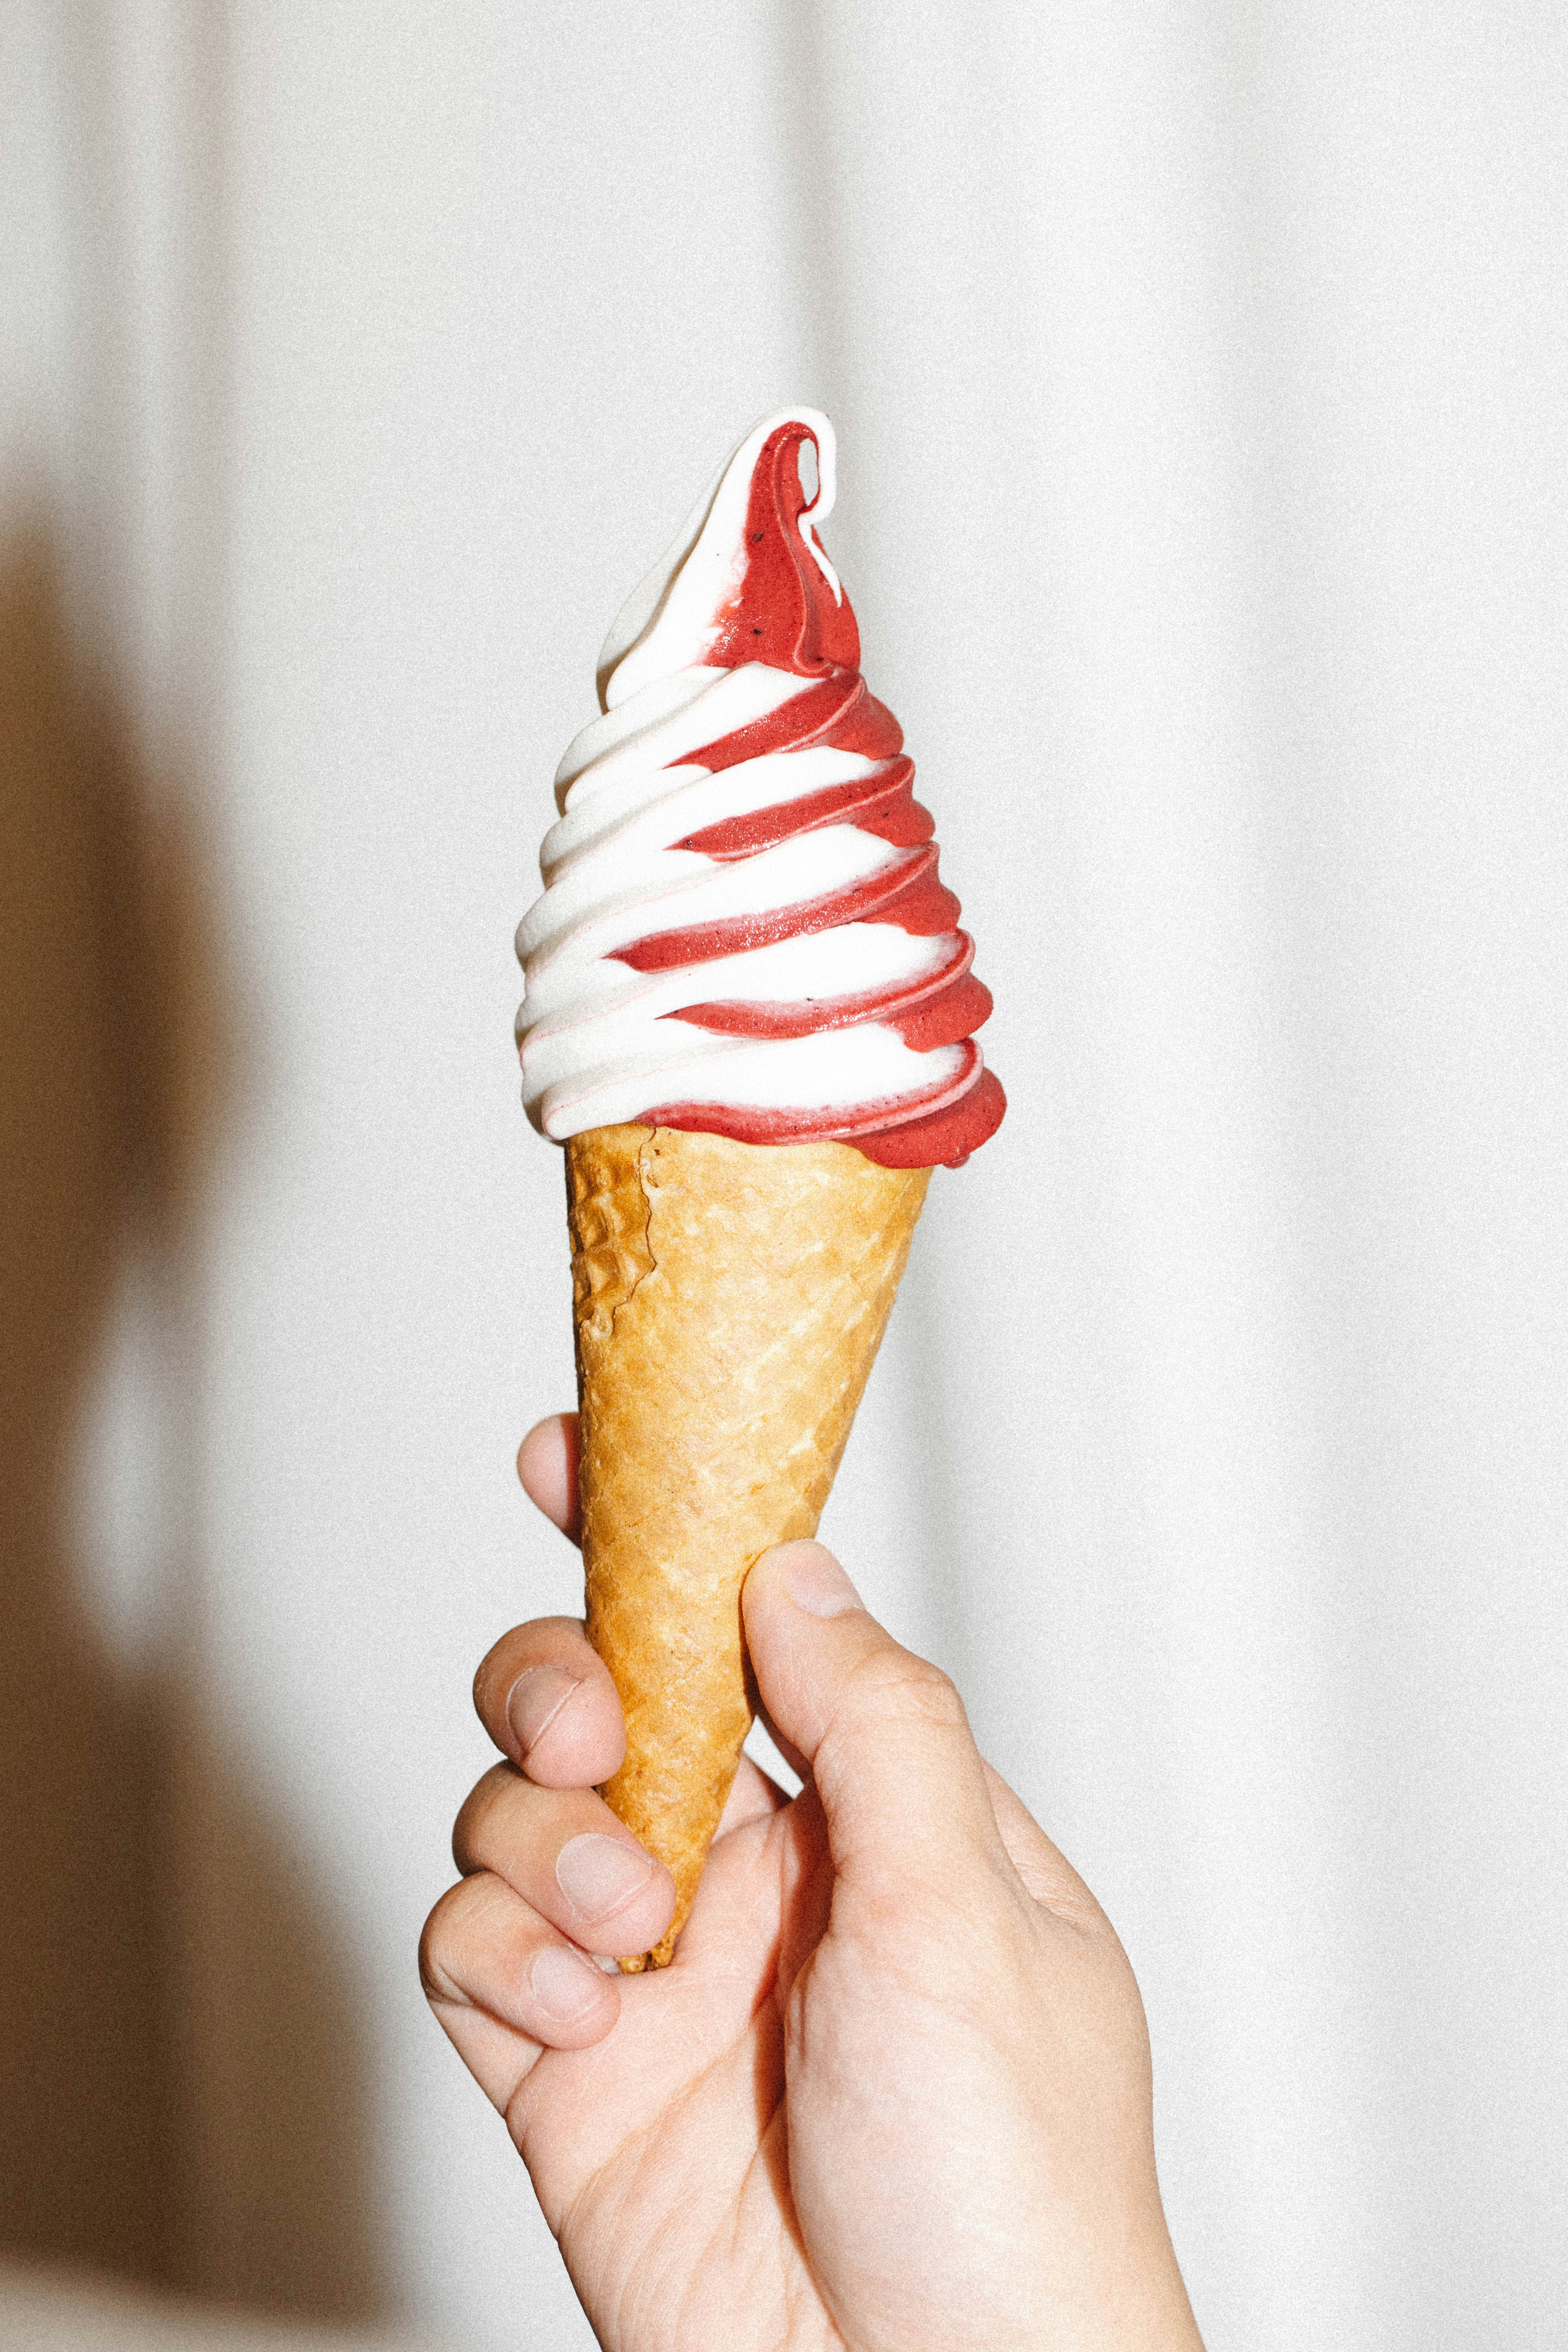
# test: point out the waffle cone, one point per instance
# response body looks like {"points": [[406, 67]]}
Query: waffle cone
{"points": [[729, 1299]]}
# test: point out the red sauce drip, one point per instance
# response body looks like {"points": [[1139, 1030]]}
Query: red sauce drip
{"points": [[782, 611]]}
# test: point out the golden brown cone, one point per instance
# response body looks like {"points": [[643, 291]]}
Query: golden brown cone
{"points": [[729, 1299]]}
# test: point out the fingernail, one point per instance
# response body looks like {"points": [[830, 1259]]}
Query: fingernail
{"points": [[815, 1582], [598, 1873], [565, 1984], [535, 1701]]}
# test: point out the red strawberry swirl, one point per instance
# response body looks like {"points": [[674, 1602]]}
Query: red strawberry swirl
{"points": [[743, 929]]}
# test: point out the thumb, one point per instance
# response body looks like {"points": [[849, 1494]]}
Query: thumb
{"points": [[890, 1751]]}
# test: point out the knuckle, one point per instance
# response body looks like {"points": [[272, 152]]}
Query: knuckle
{"points": [[470, 1923], [898, 1687], [434, 1949], [892, 1696], [478, 1813]]}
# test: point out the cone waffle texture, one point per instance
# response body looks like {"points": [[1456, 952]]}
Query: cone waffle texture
{"points": [[730, 1299]]}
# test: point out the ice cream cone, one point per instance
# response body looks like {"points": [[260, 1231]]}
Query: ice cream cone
{"points": [[729, 1299]]}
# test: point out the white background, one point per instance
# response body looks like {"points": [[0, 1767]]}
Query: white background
{"points": [[1201, 379]]}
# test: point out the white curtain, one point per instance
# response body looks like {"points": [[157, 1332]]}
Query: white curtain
{"points": [[1201, 378]]}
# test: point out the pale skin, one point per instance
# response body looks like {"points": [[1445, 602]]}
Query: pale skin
{"points": [[893, 2094]]}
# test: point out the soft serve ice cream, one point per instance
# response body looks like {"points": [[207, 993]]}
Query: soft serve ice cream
{"points": [[743, 930], [749, 1021]]}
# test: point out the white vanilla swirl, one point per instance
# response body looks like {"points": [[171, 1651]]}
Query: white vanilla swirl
{"points": [[742, 926]]}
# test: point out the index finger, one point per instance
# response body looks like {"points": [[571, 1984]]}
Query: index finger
{"points": [[547, 1701]]}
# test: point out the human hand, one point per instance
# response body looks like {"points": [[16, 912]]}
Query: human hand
{"points": [[893, 2092]]}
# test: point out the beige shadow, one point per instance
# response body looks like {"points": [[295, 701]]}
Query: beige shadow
{"points": [[182, 2068]]}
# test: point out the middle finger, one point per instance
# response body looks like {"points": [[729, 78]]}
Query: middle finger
{"points": [[564, 1852]]}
